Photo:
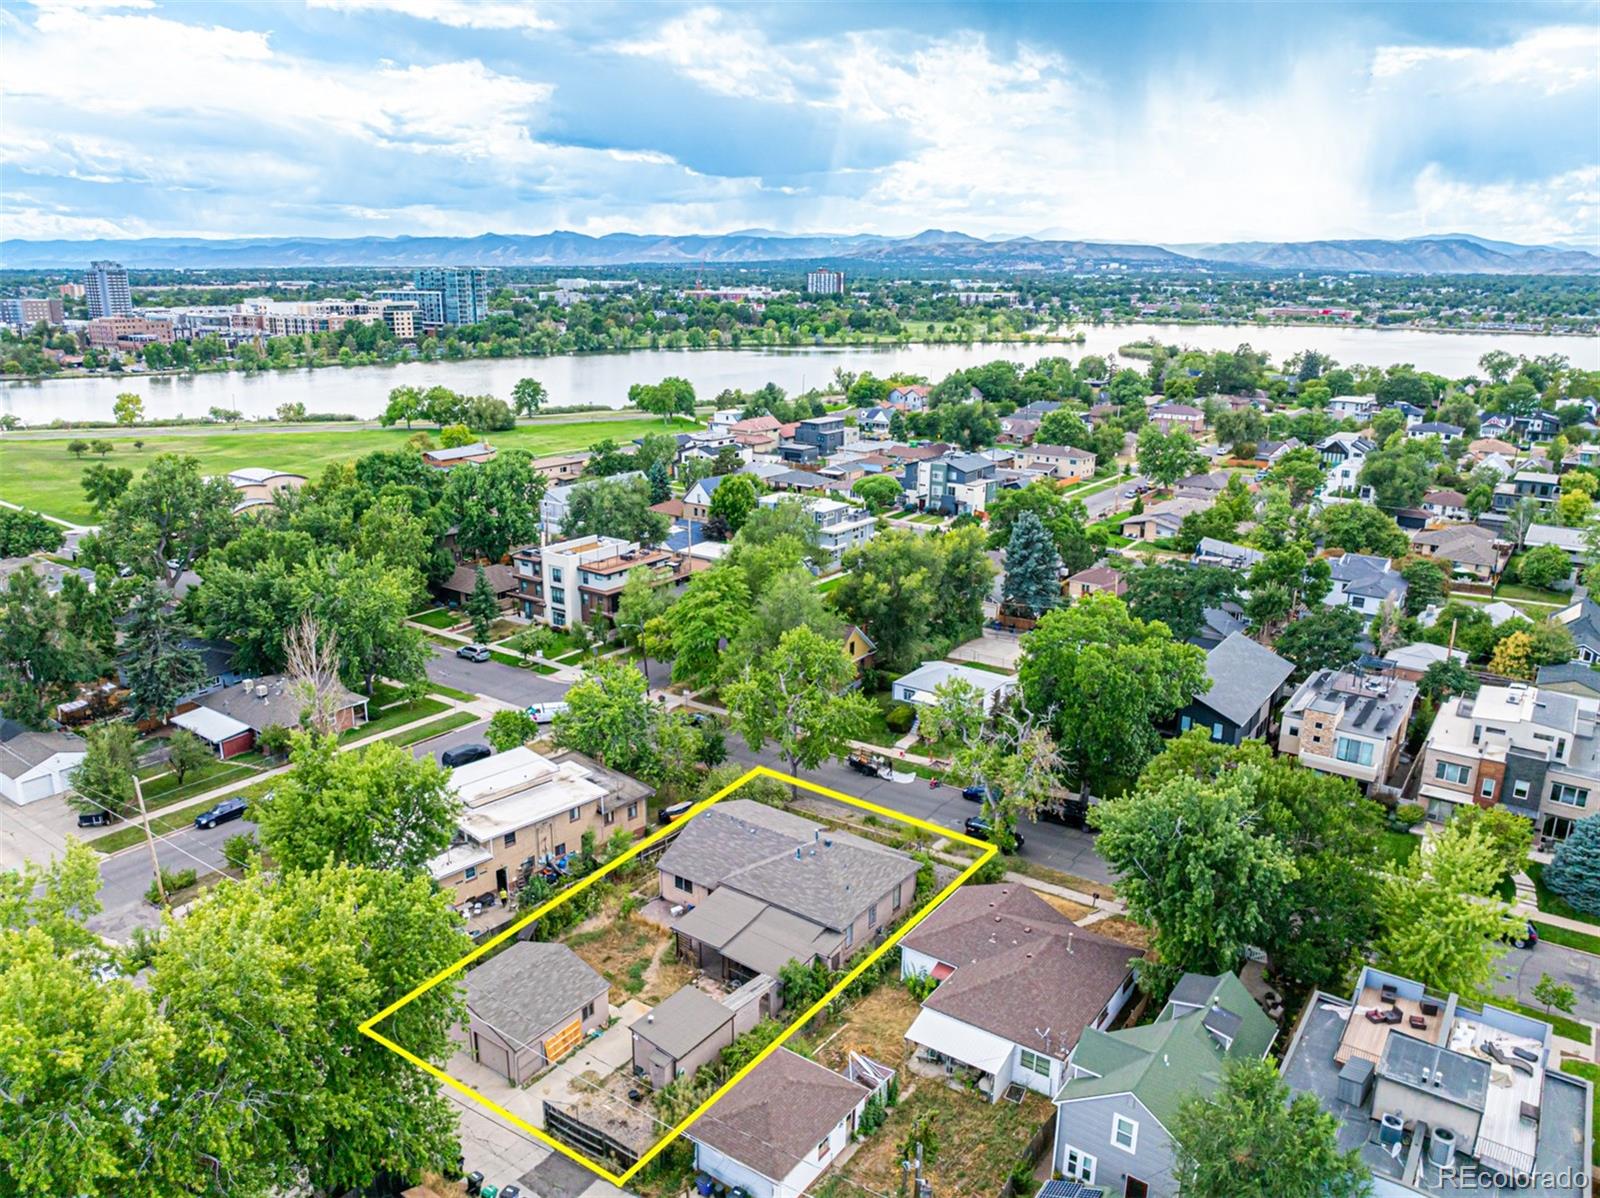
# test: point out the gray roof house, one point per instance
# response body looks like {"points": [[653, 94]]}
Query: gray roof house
{"points": [[36, 765], [1583, 621], [1125, 1088], [272, 699], [1212, 552], [1362, 581], [530, 1006], [1246, 677], [1349, 723]]}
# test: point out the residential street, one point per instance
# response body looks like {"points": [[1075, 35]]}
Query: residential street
{"points": [[471, 734], [491, 678], [1520, 968], [125, 876], [1101, 503]]}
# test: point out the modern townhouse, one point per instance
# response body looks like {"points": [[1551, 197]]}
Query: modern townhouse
{"points": [[1245, 680], [1342, 457], [841, 527], [1363, 582], [1530, 750], [1124, 1089], [567, 582], [952, 483], [1441, 1097], [1538, 485], [814, 439], [1348, 723]]}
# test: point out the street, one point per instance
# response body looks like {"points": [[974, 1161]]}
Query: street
{"points": [[1101, 503], [125, 876], [506, 683], [472, 734], [1066, 849], [1520, 969]]}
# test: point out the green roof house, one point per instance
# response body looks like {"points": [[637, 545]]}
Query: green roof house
{"points": [[1124, 1088]]}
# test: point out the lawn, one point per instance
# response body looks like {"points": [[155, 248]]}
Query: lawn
{"points": [[1567, 937], [1516, 590], [439, 617], [394, 716], [39, 472], [877, 732], [1590, 1072], [928, 518], [828, 584], [456, 719], [166, 790], [1397, 848]]}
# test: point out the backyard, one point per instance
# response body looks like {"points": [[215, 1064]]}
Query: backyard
{"points": [[633, 954]]}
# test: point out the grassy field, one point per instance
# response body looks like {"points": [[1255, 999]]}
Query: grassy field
{"points": [[458, 719], [41, 474], [1568, 937]]}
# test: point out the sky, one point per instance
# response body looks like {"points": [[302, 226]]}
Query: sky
{"points": [[1156, 123]]}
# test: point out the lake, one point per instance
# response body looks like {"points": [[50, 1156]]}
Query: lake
{"points": [[603, 379]]}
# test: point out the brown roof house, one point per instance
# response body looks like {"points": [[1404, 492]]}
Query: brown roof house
{"points": [[775, 1133], [1018, 984], [1470, 550], [690, 1028], [1096, 580], [457, 589], [530, 1006], [1161, 519]]}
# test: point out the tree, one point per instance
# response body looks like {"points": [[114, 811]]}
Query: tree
{"points": [[1033, 568], [1280, 584], [1510, 835], [660, 482], [1325, 638], [103, 781], [496, 504], [1554, 994], [485, 413], [1164, 458], [1179, 595], [363, 605], [799, 696], [528, 396], [1573, 510], [1426, 584], [1062, 518], [1252, 1138], [23, 532], [158, 667], [77, 447], [168, 519], [510, 728], [615, 507], [101, 446], [712, 610], [128, 409], [879, 492], [186, 753], [1398, 477], [1513, 656], [1300, 471], [1445, 678], [43, 650], [405, 403], [670, 397], [1358, 528], [731, 504], [483, 606], [103, 485], [378, 807], [1524, 514], [1189, 865], [1574, 873], [1544, 566], [914, 595], [1106, 680], [608, 713], [454, 436], [789, 600]]}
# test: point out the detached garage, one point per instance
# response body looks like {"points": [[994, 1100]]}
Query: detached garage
{"points": [[530, 1006], [36, 765], [226, 736]]}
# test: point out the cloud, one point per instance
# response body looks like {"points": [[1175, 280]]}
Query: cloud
{"points": [[1551, 60], [1563, 207], [458, 14], [725, 57]]}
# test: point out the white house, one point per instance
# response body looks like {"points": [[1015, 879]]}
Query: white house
{"points": [[917, 687], [36, 765]]}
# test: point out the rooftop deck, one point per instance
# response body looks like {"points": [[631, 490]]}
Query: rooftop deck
{"points": [[1364, 1039]]}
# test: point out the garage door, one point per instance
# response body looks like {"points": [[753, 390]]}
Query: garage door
{"points": [[495, 1056], [41, 787], [564, 1041]]}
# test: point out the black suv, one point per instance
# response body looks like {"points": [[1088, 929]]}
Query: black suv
{"points": [[464, 755], [223, 812], [979, 827]]}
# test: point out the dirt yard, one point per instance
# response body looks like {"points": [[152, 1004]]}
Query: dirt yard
{"points": [[875, 1026], [1073, 911], [1118, 927], [633, 954]]}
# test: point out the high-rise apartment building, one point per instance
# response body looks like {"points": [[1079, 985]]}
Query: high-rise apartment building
{"points": [[105, 285], [463, 291], [823, 281]]}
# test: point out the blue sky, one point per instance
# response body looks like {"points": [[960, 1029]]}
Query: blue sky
{"points": [[1150, 122]]}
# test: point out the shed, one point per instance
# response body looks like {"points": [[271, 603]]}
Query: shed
{"points": [[530, 1006], [227, 736], [683, 1033]]}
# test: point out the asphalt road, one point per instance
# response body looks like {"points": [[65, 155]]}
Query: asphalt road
{"points": [[506, 683], [1101, 503], [472, 734], [126, 876], [1066, 849], [1520, 969]]}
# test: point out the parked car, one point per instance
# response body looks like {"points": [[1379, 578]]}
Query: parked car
{"points": [[1528, 939], [543, 713], [1130, 493], [976, 794], [473, 652], [1072, 813], [94, 819], [675, 812], [979, 827], [464, 755], [228, 809]]}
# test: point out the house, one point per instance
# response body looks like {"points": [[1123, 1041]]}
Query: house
{"points": [[1038, 409], [1161, 519], [447, 459], [560, 468], [1096, 580], [1434, 428], [814, 438], [37, 765], [841, 527], [259, 486], [1342, 457], [1410, 411], [567, 582], [1363, 582], [952, 483], [1245, 680], [216, 666], [1497, 426], [1018, 430], [1479, 1087], [1485, 447], [761, 887], [231, 718], [1498, 612], [1017, 983], [1171, 416], [758, 433], [521, 810], [1569, 539], [779, 1129], [912, 398], [1064, 463], [463, 580], [1218, 624], [1446, 505], [697, 499], [1582, 619], [859, 646], [530, 1005], [1270, 453], [1202, 486], [1569, 678], [1348, 723], [1539, 426], [1212, 552], [875, 421], [1411, 662], [689, 1029], [919, 685], [1357, 407], [1540, 486], [1471, 550], [1531, 751], [1124, 1088]]}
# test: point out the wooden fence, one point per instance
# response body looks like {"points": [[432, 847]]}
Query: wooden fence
{"points": [[1041, 1140]]}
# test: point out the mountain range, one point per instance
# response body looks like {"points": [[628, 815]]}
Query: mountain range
{"points": [[1456, 253]]}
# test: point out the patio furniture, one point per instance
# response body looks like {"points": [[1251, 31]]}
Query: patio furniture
{"points": [[1499, 1056], [1418, 1022], [1527, 1054], [1530, 1112], [1393, 1015], [1430, 1006], [1388, 993]]}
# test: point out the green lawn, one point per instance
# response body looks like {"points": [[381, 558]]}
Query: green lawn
{"points": [[829, 584], [165, 790], [456, 719], [1567, 937], [40, 473], [450, 692], [1552, 903], [1590, 1072], [928, 518], [439, 617], [878, 732], [393, 717], [1397, 848]]}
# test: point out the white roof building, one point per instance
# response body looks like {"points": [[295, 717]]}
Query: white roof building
{"points": [[918, 686]]}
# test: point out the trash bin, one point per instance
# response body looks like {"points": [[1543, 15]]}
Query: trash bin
{"points": [[511, 1192], [490, 1191], [474, 1183]]}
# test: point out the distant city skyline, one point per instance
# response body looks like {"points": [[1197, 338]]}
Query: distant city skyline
{"points": [[1155, 123]]}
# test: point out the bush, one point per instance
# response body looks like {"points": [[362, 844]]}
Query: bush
{"points": [[273, 740], [173, 881], [239, 851], [1409, 815], [899, 718]]}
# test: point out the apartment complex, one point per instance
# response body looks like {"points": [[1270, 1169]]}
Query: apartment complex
{"points": [[566, 582], [127, 332], [28, 311], [105, 286], [1532, 751], [278, 318], [823, 281], [523, 811], [1348, 723], [445, 295]]}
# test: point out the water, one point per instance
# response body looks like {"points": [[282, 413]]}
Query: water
{"points": [[603, 379]]}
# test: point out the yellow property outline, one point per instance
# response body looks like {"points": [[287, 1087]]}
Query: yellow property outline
{"points": [[760, 771]]}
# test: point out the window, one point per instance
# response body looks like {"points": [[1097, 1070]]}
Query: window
{"points": [[633, 810], [1035, 1062], [1185, 723], [511, 839], [1294, 729], [572, 816], [683, 884], [899, 894], [822, 1150], [872, 916], [471, 872], [1078, 1165], [1449, 771], [1486, 790], [1519, 789], [611, 818], [1216, 730], [850, 935], [1358, 752], [1124, 1133], [1573, 796], [588, 1011], [560, 850]]}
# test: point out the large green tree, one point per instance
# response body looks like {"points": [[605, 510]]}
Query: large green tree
{"points": [[158, 667], [1324, 638], [1179, 595], [167, 519], [42, 650], [1033, 567], [615, 507], [495, 504], [1164, 458], [608, 715], [711, 611]]}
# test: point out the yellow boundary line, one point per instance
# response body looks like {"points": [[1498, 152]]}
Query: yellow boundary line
{"points": [[367, 1027]]}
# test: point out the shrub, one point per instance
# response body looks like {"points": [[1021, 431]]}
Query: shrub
{"points": [[239, 851], [1409, 815], [173, 880], [273, 740], [899, 718]]}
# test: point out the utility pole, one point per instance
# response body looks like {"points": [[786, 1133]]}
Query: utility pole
{"points": [[149, 838]]}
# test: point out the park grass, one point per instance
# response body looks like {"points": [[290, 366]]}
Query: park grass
{"points": [[439, 617], [1590, 1072], [39, 473]]}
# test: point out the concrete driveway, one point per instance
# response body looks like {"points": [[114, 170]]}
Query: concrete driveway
{"points": [[507, 683], [991, 648], [1520, 969]]}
